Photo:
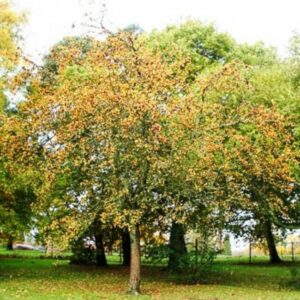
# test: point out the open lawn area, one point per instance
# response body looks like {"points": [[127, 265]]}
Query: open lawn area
{"points": [[38, 279]]}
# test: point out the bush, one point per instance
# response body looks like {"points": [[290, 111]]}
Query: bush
{"points": [[156, 254], [196, 266], [198, 260], [293, 282], [82, 253]]}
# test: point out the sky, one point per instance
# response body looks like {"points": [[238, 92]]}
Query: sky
{"points": [[271, 21]]}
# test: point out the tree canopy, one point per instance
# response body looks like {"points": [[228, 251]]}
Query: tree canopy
{"points": [[142, 132]]}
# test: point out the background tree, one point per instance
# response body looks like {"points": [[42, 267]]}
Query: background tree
{"points": [[263, 152], [9, 50], [17, 193], [201, 44]]}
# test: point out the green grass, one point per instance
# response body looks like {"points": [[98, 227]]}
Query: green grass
{"points": [[39, 279], [30, 254], [254, 259]]}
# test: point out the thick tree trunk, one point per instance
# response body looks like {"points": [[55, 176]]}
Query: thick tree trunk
{"points": [[177, 245], [100, 252], [274, 257], [10, 243], [135, 262], [126, 247]]}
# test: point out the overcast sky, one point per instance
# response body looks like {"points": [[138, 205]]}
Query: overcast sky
{"points": [[271, 21]]}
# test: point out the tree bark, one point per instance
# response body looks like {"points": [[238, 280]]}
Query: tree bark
{"points": [[100, 252], [126, 247], [274, 257], [10, 243], [135, 262], [177, 245]]}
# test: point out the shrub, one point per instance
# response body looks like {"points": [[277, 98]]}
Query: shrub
{"points": [[82, 253], [156, 253], [293, 282], [196, 266]]}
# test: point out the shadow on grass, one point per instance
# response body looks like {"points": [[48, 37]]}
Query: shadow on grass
{"points": [[260, 275]]}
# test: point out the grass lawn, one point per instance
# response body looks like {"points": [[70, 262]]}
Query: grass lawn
{"points": [[38, 279]]}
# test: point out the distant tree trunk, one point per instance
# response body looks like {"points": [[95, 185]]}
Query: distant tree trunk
{"points": [[220, 245], [100, 252], [274, 257], [177, 245], [227, 246], [135, 262], [10, 243], [126, 247]]}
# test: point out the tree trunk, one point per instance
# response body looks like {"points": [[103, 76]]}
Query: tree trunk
{"points": [[274, 257], [177, 245], [135, 262], [100, 253], [126, 247], [10, 243]]}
